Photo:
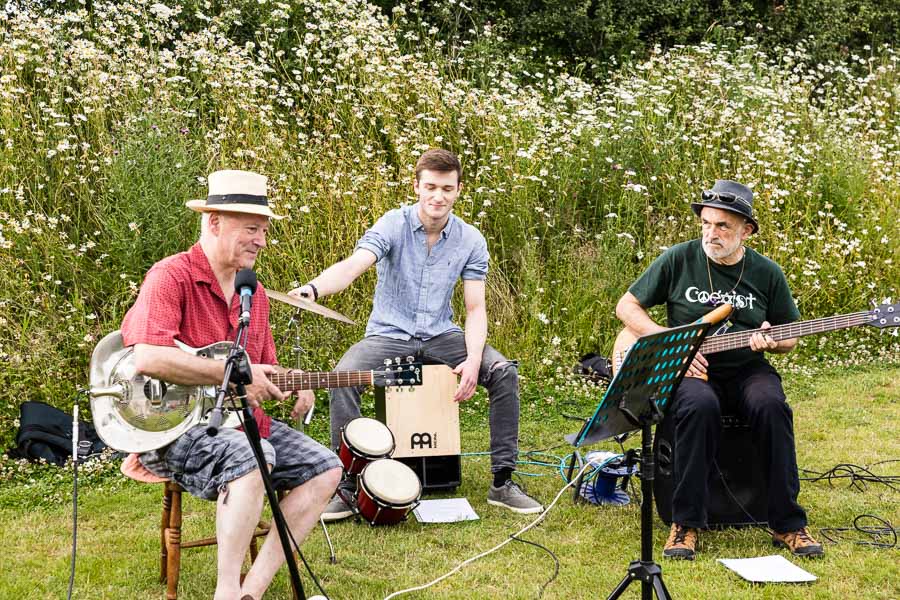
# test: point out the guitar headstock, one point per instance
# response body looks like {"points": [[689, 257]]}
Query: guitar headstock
{"points": [[398, 374], [885, 315]]}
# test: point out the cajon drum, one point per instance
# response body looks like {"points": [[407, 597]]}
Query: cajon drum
{"points": [[424, 419], [425, 423]]}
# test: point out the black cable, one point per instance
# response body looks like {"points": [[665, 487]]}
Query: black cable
{"points": [[574, 417], [875, 532], [74, 523], [548, 551], [841, 471], [738, 502], [858, 476]]}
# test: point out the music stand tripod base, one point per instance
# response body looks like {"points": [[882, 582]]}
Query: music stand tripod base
{"points": [[635, 399]]}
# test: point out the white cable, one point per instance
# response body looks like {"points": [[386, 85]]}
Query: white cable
{"points": [[539, 518]]}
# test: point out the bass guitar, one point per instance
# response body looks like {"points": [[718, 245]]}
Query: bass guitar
{"points": [[884, 316], [136, 413]]}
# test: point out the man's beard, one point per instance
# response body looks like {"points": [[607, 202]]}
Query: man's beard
{"points": [[717, 253]]}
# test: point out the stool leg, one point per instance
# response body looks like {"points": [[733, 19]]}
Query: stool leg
{"points": [[173, 544], [253, 550], [164, 524]]}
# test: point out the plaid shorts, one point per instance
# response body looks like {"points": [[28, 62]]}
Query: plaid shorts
{"points": [[204, 465]]}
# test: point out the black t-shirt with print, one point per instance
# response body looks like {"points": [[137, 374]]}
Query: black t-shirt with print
{"points": [[679, 278]]}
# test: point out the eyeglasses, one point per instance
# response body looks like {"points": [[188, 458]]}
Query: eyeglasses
{"points": [[726, 197]]}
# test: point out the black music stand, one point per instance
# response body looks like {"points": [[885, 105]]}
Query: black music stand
{"points": [[635, 399]]}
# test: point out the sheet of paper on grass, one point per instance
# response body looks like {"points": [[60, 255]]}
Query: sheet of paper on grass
{"points": [[445, 510], [765, 569]]}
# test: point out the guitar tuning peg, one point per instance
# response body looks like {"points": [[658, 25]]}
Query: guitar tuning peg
{"points": [[410, 359], [397, 360], [387, 362]]}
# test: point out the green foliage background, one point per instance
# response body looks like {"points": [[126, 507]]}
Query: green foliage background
{"points": [[112, 113], [600, 34]]}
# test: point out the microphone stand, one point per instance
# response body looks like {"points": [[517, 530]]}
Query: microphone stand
{"points": [[237, 371]]}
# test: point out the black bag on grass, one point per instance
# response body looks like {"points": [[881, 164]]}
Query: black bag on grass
{"points": [[46, 432], [595, 367]]}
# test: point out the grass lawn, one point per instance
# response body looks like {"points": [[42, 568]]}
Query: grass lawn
{"points": [[847, 417]]}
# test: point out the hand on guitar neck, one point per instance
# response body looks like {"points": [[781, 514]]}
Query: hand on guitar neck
{"points": [[760, 341], [262, 387]]}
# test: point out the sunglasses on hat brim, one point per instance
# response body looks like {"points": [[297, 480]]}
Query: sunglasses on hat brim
{"points": [[724, 197]]}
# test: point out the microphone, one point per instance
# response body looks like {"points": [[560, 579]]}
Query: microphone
{"points": [[245, 285]]}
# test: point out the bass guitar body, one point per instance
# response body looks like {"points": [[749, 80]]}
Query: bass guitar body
{"points": [[627, 337], [624, 341]]}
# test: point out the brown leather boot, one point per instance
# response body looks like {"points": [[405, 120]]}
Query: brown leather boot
{"points": [[682, 542], [799, 542]]}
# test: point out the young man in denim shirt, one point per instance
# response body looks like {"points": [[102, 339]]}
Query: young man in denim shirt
{"points": [[420, 252]]}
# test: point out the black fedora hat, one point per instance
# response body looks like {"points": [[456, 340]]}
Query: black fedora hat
{"points": [[731, 196]]}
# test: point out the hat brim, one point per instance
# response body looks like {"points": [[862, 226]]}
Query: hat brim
{"points": [[699, 206], [250, 209]]}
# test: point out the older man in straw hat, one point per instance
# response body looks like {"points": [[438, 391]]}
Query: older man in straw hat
{"points": [[190, 296], [691, 278]]}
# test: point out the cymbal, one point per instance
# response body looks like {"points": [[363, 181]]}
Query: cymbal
{"points": [[309, 305]]}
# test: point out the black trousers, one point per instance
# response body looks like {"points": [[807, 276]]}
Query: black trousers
{"points": [[756, 395]]}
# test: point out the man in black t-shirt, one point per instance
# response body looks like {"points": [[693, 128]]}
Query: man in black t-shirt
{"points": [[690, 279]]}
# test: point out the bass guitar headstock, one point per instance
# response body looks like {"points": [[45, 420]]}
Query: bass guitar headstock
{"points": [[398, 374], [885, 315]]}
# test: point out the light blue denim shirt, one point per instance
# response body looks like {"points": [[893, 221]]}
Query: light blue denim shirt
{"points": [[412, 296]]}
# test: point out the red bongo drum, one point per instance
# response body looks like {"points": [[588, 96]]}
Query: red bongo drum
{"points": [[388, 490], [362, 441]]}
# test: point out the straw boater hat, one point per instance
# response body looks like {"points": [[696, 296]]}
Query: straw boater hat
{"points": [[235, 191], [731, 196]]}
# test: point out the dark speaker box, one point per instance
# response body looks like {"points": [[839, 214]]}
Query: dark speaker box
{"points": [[437, 473], [738, 461]]}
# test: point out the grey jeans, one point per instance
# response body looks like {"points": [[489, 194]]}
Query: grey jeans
{"points": [[498, 375]]}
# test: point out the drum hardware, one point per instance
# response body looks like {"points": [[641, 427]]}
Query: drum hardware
{"points": [[298, 352], [302, 422], [309, 305]]}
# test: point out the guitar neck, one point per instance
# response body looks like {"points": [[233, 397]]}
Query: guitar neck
{"points": [[741, 339], [316, 380]]}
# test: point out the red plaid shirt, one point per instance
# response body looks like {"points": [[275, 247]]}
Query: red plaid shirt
{"points": [[181, 299]]}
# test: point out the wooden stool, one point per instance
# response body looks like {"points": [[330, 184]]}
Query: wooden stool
{"points": [[170, 526]]}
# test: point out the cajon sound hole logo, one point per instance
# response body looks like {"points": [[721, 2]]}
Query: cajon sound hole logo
{"points": [[422, 440]]}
